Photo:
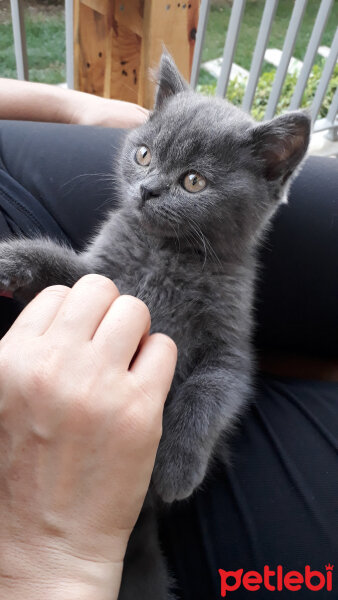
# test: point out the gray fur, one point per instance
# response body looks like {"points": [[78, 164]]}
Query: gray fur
{"points": [[190, 257]]}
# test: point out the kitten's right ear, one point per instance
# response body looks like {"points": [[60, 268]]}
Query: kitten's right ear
{"points": [[281, 143], [169, 80]]}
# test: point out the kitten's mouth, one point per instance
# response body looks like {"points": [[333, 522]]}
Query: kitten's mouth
{"points": [[148, 211], [153, 218], [148, 204]]}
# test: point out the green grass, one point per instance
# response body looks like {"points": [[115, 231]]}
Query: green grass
{"points": [[46, 48], [219, 20]]}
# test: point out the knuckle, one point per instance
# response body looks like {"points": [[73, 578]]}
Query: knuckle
{"points": [[60, 291], [94, 279], [166, 341], [136, 305]]}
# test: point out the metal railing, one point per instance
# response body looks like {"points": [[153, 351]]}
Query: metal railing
{"points": [[20, 46], [329, 123], [19, 33]]}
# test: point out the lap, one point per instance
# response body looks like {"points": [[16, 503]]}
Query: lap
{"points": [[276, 504], [56, 181], [62, 174]]}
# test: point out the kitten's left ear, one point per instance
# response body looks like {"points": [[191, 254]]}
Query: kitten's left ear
{"points": [[170, 81], [282, 143]]}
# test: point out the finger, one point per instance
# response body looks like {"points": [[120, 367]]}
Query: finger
{"points": [[37, 316], [121, 330], [84, 308], [154, 366]]}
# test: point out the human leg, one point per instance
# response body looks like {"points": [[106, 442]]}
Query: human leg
{"points": [[56, 181]]}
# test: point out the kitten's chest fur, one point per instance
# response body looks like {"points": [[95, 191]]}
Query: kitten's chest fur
{"points": [[195, 302], [179, 292], [177, 297]]}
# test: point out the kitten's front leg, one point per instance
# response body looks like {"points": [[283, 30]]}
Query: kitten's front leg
{"points": [[29, 265], [203, 407]]}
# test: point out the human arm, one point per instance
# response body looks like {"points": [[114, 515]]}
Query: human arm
{"points": [[22, 100], [80, 423]]}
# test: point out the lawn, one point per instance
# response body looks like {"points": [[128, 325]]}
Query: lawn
{"points": [[46, 38], [45, 31], [219, 19]]}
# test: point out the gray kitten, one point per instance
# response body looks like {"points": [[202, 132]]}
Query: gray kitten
{"points": [[199, 182]]}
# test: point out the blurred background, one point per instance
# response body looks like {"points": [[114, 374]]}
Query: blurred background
{"points": [[45, 33]]}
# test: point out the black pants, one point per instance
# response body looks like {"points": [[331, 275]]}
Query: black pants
{"points": [[277, 504]]}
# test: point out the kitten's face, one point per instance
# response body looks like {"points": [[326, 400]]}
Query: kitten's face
{"points": [[194, 168]]}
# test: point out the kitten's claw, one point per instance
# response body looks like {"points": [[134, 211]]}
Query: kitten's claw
{"points": [[177, 473]]}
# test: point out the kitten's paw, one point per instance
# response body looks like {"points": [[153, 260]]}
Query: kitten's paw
{"points": [[17, 270], [14, 276], [177, 472]]}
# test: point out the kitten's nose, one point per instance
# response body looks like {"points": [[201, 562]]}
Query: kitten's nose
{"points": [[147, 193]]}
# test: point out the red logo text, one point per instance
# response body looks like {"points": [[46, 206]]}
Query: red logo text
{"points": [[277, 580]]}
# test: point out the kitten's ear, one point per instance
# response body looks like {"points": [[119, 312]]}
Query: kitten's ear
{"points": [[282, 143], [169, 80]]}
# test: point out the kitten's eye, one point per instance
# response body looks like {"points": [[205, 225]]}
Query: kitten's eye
{"points": [[193, 182], [143, 156]]}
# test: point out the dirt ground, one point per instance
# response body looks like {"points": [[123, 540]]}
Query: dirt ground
{"points": [[32, 7]]}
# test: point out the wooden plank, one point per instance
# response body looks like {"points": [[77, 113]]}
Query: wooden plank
{"points": [[76, 34], [93, 39], [108, 52], [117, 42], [145, 56], [129, 14], [125, 64], [101, 6], [173, 24], [123, 71]]}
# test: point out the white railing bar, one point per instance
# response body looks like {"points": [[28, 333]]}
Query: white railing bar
{"points": [[69, 18], [325, 78], [311, 51], [200, 35], [19, 34], [258, 55], [324, 125], [333, 110], [289, 42], [230, 46]]}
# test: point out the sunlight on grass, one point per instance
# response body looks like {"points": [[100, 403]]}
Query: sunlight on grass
{"points": [[45, 45], [219, 20]]}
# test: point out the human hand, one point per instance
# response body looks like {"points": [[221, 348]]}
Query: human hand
{"points": [[81, 418], [103, 112]]}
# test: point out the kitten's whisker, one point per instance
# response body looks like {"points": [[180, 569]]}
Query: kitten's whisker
{"points": [[101, 177], [212, 251], [193, 241], [176, 236], [200, 237], [207, 242], [172, 221]]}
